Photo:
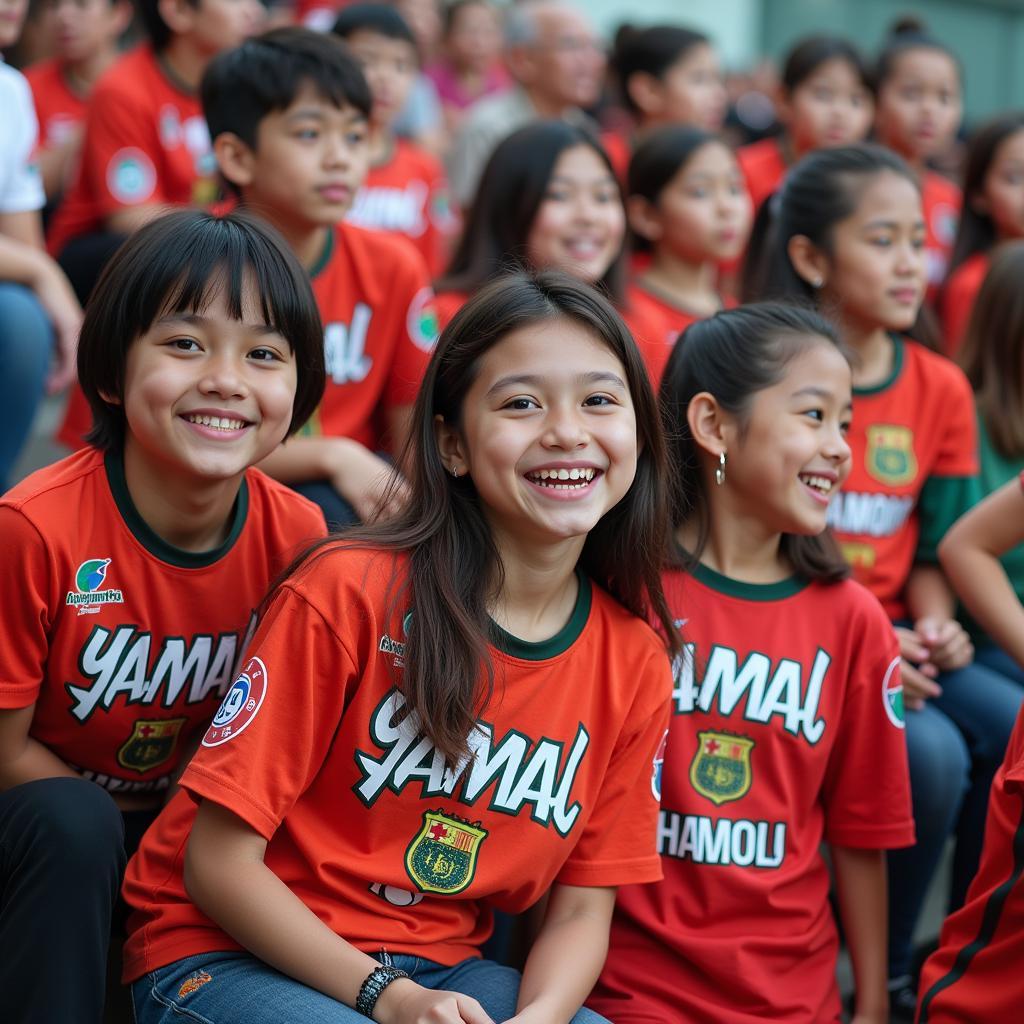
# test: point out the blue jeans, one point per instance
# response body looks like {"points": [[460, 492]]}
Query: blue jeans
{"points": [[26, 344], [999, 661], [955, 743], [237, 987]]}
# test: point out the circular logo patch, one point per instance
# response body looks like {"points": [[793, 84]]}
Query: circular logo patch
{"points": [[892, 695], [657, 767], [240, 705], [131, 177], [421, 320]]}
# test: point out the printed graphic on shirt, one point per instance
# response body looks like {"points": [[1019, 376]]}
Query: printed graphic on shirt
{"points": [[442, 857], [517, 770], [421, 322], [890, 454], [345, 347], [704, 840], [892, 695], [87, 596], [151, 743], [131, 177], [657, 768], [869, 515], [720, 770], [240, 705], [392, 209]]}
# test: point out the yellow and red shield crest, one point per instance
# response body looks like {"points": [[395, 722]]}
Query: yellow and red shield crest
{"points": [[151, 743], [442, 857], [890, 454], [720, 769]]}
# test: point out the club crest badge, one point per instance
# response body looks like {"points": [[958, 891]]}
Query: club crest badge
{"points": [[151, 743], [720, 769], [240, 705], [892, 695], [442, 857], [890, 454]]}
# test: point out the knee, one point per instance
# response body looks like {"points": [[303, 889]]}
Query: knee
{"points": [[21, 314], [940, 766]]}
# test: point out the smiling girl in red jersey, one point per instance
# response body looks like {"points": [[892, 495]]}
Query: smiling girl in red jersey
{"points": [[758, 772], [130, 571], [825, 100], [549, 198], [688, 207], [919, 103], [993, 212], [850, 236], [453, 711]]}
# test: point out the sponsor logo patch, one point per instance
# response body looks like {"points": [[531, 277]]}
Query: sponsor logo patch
{"points": [[131, 177], [151, 743], [88, 596], [442, 856], [720, 769], [240, 706]]}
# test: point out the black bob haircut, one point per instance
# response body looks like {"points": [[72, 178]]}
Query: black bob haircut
{"points": [[242, 86], [176, 264], [378, 18], [653, 50]]}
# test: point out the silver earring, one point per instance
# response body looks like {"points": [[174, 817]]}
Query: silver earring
{"points": [[720, 470], [455, 471], [817, 283]]}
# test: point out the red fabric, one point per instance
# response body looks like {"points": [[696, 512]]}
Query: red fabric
{"points": [[941, 200], [58, 109], [957, 299], [763, 167]]}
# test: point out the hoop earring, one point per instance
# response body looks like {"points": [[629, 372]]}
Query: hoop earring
{"points": [[720, 469]]}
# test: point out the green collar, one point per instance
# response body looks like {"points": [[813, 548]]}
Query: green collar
{"points": [[747, 591], [325, 256], [897, 366], [114, 464], [526, 650]]}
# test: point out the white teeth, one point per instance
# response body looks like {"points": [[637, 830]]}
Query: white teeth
{"points": [[216, 422], [574, 478], [819, 483]]}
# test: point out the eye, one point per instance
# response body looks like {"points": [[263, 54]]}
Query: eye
{"points": [[556, 195], [815, 414], [265, 355], [307, 134], [520, 404], [184, 344], [356, 137], [880, 241], [844, 426], [598, 401]]}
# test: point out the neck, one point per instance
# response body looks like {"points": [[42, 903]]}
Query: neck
{"points": [[546, 107], [381, 145], [81, 75], [184, 62], [875, 353], [739, 544], [539, 589], [186, 513], [306, 241], [691, 286]]}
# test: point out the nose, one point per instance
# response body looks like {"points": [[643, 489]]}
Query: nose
{"points": [[565, 430], [836, 448], [223, 376]]}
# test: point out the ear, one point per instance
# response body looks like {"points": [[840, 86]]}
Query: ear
{"points": [[713, 429], [178, 15], [235, 159], [521, 64], [110, 398], [808, 260], [643, 218], [450, 446], [646, 92], [123, 12]]}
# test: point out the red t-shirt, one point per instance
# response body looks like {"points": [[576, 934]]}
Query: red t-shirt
{"points": [[145, 142], [676, 319], [974, 977], [363, 821], [59, 110], [125, 644], [915, 462], [763, 167], [620, 152], [408, 196], [380, 327], [787, 731], [957, 299], [941, 200]]}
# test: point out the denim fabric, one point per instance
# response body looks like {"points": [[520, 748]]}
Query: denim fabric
{"points": [[26, 345], [224, 988]]}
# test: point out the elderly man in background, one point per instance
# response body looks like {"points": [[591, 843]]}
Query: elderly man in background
{"points": [[557, 64]]}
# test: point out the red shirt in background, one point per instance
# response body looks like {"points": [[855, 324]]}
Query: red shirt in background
{"points": [[59, 109], [956, 299], [763, 167], [941, 200]]}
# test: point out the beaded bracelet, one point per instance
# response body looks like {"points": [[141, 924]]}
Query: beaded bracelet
{"points": [[376, 981]]}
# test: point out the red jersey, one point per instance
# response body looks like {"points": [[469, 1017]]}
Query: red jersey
{"points": [[59, 109], [786, 731], [941, 200], [914, 440], [763, 166], [956, 300], [408, 195], [380, 327], [146, 141], [974, 976], [620, 152], [676, 319], [125, 644], [312, 749]]}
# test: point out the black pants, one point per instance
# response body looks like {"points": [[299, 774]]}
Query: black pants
{"points": [[62, 857]]}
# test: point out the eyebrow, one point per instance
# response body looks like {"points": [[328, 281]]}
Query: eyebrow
{"points": [[203, 321], [813, 391], [894, 225], [532, 380]]}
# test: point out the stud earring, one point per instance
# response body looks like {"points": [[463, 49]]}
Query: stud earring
{"points": [[455, 471], [817, 283], [720, 469]]}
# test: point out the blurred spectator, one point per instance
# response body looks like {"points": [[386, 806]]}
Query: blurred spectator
{"points": [[422, 119], [557, 64]]}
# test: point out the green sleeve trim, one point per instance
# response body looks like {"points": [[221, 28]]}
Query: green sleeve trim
{"points": [[944, 499]]}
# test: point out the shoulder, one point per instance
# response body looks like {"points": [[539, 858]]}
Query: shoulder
{"points": [[759, 154], [14, 87], [627, 635], [944, 378], [939, 189], [851, 607], [54, 489], [378, 249], [340, 576], [418, 159], [122, 78], [268, 495], [42, 73]]}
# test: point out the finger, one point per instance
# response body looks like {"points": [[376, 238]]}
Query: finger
{"points": [[472, 1012], [916, 684], [912, 703]]}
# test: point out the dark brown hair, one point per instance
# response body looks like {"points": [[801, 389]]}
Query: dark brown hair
{"points": [[733, 355], [454, 566], [993, 352]]}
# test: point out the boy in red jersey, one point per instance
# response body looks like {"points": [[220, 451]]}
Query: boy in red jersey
{"points": [[129, 572], [85, 34], [145, 145], [405, 190], [288, 114]]}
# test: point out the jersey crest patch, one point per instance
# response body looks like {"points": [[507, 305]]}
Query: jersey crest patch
{"points": [[88, 596], [720, 769], [890, 454], [131, 177], [240, 705], [892, 695], [151, 743], [442, 857], [421, 320]]}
